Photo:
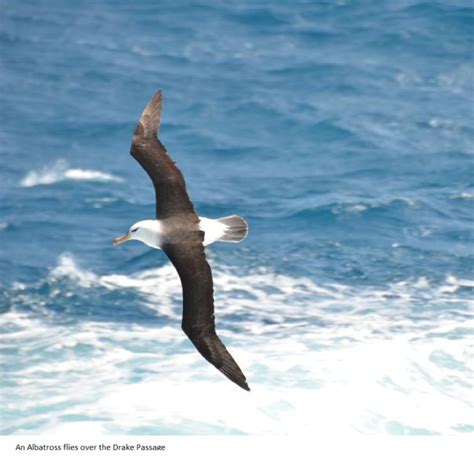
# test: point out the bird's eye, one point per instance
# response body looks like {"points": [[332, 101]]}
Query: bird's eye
{"points": [[134, 230]]}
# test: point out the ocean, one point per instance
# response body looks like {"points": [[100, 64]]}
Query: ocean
{"points": [[342, 131]]}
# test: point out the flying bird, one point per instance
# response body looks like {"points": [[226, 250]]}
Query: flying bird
{"points": [[182, 235]]}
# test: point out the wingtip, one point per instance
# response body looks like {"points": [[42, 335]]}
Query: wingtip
{"points": [[242, 383], [158, 97], [238, 381], [233, 372], [150, 117], [210, 346]]}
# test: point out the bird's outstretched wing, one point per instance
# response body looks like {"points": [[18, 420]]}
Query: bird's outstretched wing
{"points": [[171, 196], [190, 261], [172, 201]]}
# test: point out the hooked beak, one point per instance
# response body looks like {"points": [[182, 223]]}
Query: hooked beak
{"points": [[122, 238]]}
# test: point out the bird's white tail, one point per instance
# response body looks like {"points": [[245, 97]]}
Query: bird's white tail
{"points": [[236, 229]]}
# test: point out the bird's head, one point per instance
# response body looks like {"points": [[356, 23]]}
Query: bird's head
{"points": [[132, 233], [146, 231]]}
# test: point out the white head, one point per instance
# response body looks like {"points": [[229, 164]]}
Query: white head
{"points": [[147, 231]]}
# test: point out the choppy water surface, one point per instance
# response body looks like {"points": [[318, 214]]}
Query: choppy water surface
{"points": [[342, 131]]}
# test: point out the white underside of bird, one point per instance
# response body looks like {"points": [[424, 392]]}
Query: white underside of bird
{"points": [[151, 231]]}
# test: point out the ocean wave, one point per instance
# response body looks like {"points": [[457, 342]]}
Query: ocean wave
{"points": [[361, 207], [67, 268], [356, 207], [466, 195], [264, 299], [331, 357], [458, 81], [60, 171]]}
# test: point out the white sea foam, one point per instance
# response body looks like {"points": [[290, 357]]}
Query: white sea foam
{"points": [[272, 297], [68, 268], [326, 358], [158, 286], [361, 207], [466, 195], [438, 123], [459, 80], [60, 171]]}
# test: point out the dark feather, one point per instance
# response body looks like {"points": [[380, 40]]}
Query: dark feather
{"points": [[198, 307], [184, 245], [170, 189]]}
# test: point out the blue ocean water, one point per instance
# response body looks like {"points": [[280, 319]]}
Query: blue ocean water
{"points": [[342, 131]]}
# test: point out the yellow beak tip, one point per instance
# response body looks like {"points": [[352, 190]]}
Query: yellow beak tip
{"points": [[121, 239]]}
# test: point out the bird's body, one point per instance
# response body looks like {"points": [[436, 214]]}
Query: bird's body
{"points": [[182, 235], [155, 233]]}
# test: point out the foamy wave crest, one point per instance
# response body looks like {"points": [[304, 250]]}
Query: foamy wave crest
{"points": [[466, 195], [60, 171], [68, 268], [361, 207], [332, 358], [157, 286], [271, 298]]}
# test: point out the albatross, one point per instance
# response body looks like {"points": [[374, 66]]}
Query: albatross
{"points": [[182, 235]]}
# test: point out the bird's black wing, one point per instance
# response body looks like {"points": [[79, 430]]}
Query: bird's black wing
{"points": [[171, 196], [190, 261]]}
